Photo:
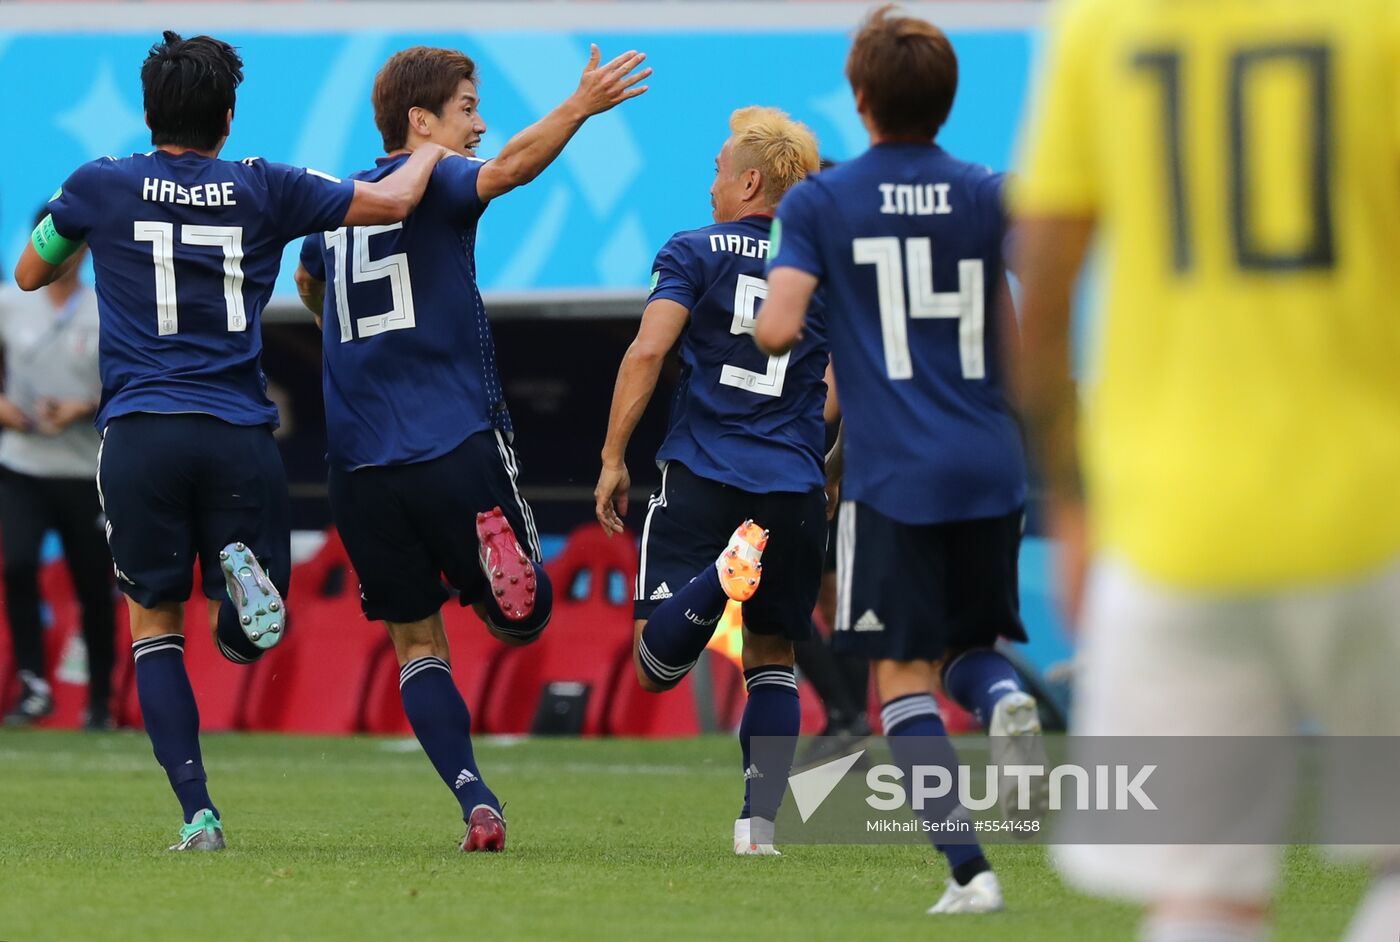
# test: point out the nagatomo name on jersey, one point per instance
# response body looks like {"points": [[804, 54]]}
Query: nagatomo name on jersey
{"points": [[740, 417]]}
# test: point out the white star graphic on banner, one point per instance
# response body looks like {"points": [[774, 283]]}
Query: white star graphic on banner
{"points": [[102, 122]]}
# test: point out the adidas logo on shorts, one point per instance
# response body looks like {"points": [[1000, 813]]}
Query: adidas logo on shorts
{"points": [[869, 622], [463, 777], [662, 591]]}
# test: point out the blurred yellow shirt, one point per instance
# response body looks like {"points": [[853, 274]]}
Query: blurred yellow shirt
{"points": [[1242, 158]]}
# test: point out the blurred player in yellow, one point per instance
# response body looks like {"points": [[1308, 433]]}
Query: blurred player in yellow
{"points": [[1240, 162]]}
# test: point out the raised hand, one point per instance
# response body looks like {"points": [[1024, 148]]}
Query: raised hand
{"points": [[606, 86]]}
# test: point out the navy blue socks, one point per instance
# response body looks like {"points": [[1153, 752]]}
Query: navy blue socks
{"points": [[772, 710], [677, 632], [440, 720], [917, 736], [172, 719], [977, 679]]}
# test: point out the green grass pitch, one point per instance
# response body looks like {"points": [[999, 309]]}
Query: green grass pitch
{"points": [[357, 839]]}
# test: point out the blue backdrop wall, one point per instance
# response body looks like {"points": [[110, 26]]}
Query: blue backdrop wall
{"points": [[594, 220]]}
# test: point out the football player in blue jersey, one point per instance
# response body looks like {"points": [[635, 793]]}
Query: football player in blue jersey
{"points": [[422, 474], [906, 241], [745, 444], [186, 248]]}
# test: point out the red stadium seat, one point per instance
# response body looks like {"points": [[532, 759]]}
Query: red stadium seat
{"points": [[316, 680], [9, 687], [126, 711], [474, 656], [588, 641], [313, 578], [69, 692], [635, 712]]}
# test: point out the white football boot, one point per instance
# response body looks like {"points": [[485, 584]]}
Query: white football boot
{"points": [[744, 834], [981, 895], [1016, 740]]}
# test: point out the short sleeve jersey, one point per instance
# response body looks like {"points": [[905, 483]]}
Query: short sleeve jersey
{"points": [[410, 364], [739, 417], [906, 240], [185, 252], [1242, 161]]}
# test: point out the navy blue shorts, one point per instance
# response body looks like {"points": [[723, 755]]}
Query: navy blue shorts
{"points": [[407, 526], [689, 523], [175, 487], [910, 592]]}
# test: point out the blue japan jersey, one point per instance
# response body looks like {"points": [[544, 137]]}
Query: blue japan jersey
{"points": [[906, 240], [186, 249], [739, 417], [410, 365]]}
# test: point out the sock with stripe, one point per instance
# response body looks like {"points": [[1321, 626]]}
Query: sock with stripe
{"points": [[440, 720], [528, 628], [172, 719], [917, 736], [772, 710], [677, 632], [977, 679], [232, 643]]}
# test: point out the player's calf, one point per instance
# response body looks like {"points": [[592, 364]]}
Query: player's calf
{"points": [[984, 682], [676, 634], [442, 724], [772, 710]]}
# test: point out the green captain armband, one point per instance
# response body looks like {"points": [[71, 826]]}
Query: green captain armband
{"points": [[52, 247]]}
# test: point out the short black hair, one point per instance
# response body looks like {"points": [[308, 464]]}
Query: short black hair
{"points": [[189, 86]]}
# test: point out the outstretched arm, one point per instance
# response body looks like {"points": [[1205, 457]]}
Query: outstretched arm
{"points": [[662, 323], [391, 199], [527, 154]]}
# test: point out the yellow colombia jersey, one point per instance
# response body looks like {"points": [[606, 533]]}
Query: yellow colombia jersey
{"points": [[1242, 158]]}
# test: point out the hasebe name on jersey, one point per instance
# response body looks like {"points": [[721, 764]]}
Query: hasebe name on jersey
{"points": [[156, 190]]}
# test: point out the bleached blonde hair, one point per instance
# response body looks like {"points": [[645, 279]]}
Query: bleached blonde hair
{"points": [[767, 140]]}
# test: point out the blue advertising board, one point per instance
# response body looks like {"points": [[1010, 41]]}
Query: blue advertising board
{"points": [[631, 177]]}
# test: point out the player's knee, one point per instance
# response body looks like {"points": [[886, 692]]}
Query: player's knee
{"points": [[648, 681], [422, 638], [653, 675], [902, 678], [760, 650]]}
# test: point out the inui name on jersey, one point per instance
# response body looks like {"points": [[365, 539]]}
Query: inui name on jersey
{"points": [[915, 199]]}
